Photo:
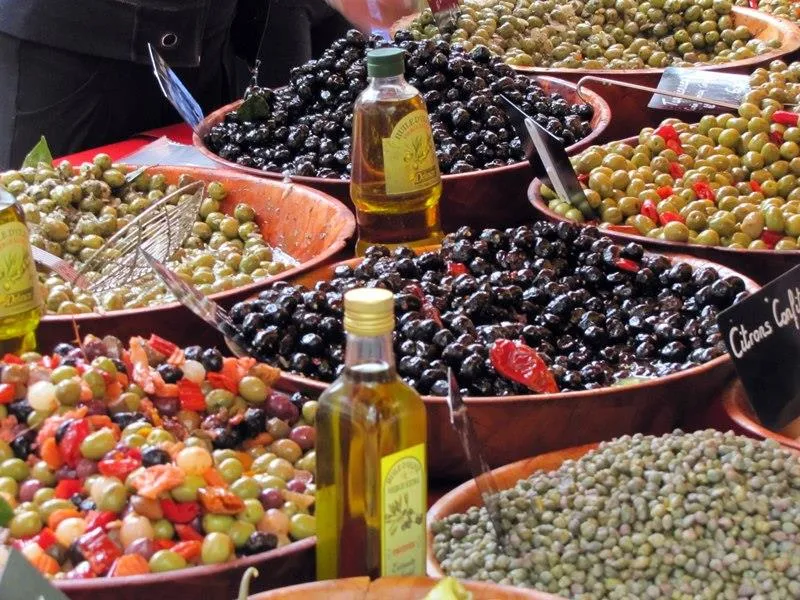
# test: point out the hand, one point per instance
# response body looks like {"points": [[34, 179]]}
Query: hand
{"points": [[375, 14]]}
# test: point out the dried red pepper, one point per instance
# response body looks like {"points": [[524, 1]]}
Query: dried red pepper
{"points": [[521, 363], [99, 550], [7, 393], [66, 488], [427, 309], [703, 190], [99, 519], [665, 191], [70, 444], [626, 264], [784, 117], [753, 3], [649, 210], [220, 381], [180, 512], [676, 170], [45, 538], [187, 533], [120, 463], [770, 238], [12, 359], [755, 186], [456, 268], [191, 396], [670, 136], [669, 216], [583, 177], [161, 345], [776, 137]]}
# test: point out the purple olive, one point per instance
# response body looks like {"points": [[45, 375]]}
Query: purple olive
{"points": [[304, 435], [169, 407], [279, 405], [296, 485], [271, 498], [143, 547], [85, 467], [28, 489]]}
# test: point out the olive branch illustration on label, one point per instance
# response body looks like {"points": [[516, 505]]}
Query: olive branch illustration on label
{"points": [[13, 267], [402, 515], [418, 153]]}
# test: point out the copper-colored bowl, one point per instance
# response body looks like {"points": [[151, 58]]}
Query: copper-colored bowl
{"points": [[737, 407], [760, 265], [289, 565], [488, 198], [309, 226], [512, 427], [396, 588]]}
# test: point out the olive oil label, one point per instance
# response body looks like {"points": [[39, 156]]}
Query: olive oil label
{"points": [[403, 503], [18, 284], [409, 158]]}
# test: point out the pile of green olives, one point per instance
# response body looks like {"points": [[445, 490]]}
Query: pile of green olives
{"points": [[729, 180], [777, 84], [601, 34], [73, 212], [786, 9]]}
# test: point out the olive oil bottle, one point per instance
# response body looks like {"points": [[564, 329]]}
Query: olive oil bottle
{"points": [[395, 183], [20, 305], [371, 460]]}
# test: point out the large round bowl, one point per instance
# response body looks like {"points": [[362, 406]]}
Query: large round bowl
{"points": [[488, 198], [309, 226], [760, 265], [289, 565], [737, 408], [512, 427], [396, 588]]}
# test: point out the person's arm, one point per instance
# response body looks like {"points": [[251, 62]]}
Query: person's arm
{"points": [[372, 14]]}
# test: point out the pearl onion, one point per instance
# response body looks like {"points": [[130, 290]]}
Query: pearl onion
{"points": [[42, 396], [194, 460], [194, 371], [134, 527], [69, 530]]}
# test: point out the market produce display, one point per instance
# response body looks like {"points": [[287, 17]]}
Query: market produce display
{"points": [[592, 313], [786, 9], [125, 461], [304, 128], [72, 212], [594, 34], [701, 515]]}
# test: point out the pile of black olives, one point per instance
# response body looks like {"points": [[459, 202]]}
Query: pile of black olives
{"points": [[304, 128], [597, 313]]}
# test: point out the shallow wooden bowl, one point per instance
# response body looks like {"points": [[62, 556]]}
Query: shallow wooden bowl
{"points": [[488, 198], [512, 427], [737, 408], [309, 226], [289, 565], [396, 588], [761, 265]]}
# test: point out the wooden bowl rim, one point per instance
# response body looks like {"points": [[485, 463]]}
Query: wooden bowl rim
{"points": [[602, 117], [539, 205], [336, 244], [605, 392], [737, 408]]}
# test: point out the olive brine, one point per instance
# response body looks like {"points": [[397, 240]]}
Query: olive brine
{"points": [[305, 128], [597, 313]]}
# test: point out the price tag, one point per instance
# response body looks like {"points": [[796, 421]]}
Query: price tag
{"points": [[725, 87], [174, 90], [763, 337], [444, 11], [19, 580]]}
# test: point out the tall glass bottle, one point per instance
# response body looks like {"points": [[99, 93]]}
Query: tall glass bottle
{"points": [[371, 462], [395, 183], [20, 305]]}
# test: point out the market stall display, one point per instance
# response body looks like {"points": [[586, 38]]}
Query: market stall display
{"points": [[785, 9], [640, 515]]}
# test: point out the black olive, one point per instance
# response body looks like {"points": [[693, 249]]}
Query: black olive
{"points": [[169, 373], [225, 438], [211, 359], [155, 456], [123, 419]]}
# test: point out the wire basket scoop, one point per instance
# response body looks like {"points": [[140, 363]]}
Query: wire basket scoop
{"points": [[160, 231]]}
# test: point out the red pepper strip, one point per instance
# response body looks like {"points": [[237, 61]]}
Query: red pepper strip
{"points": [[623, 229], [626, 264], [665, 191], [770, 238], [99, 519], [668, 132], [66, 488], [521, 363], [755, 186], [82, 571], [583, 177], [7, 392], [457, 268], [45, 538], [51, 362], [99, 550], [649, 210], [753, 3], [428, 309], [703, 190], [12, 359], [676, 170], [164, 544], [675, 146], [70, 444], [191, 396], [120, 463], [180, 512], [187, 533], [220, 381], [776, 137], [784, 117], [161, 345], [669, 216]]}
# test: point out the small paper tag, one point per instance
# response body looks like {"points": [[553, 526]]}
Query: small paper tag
{"points": [[174, 90], [724, 87], [19, 580], [763, 337], [442, 5]]}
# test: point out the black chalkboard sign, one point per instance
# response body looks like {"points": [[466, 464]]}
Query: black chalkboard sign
{"points": [[19, 579], [725, 87], [763, 337]]}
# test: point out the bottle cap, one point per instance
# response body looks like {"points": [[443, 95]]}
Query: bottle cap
{"points": [[369, 311], [385, 62]]}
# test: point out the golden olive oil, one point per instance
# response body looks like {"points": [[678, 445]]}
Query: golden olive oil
{"points": [[20, 306], [395, 183], [371, 463]]}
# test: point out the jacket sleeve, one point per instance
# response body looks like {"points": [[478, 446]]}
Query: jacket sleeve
{"points": [[117, 29]]}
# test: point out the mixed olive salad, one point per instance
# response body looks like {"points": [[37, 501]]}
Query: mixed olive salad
{"points": [[591, 313], [72, 212], [125, 461], [600, 34]]}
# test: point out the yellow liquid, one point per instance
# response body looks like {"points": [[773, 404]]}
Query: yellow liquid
{"points": [[410, 219], [368, 412], [17, 328]]}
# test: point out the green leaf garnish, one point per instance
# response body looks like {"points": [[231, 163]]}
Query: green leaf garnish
{"points": [[40, 153]]}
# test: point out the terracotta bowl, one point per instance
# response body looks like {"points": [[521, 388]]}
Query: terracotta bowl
{"points": [[467, 495], [738, 409], [308, 225], [396, 588], [512, 427], [489, 198], [760, 265], [289, 565]]}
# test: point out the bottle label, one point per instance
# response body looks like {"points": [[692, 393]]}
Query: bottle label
{"points": [[403, 505], [19, 288], [409, 156]]}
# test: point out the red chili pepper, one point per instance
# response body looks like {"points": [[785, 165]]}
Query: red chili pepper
{"points": [[70, 444], [521, 363], [457, 268], [770, 238], [755, 186], [784, 117], [191, 396], [164, 544], [51, 362], [665, 191], [120, 463], [99, 519], [675, 146], [7, 393], [161, 345], [776, 137], [623, 229], [583, 177], [99, 550], [676, 170], [703, 190], [668, 132], [649, 210], [187, 533], [180, 512], [13, 359], [669, 216], [45, 538], [66, 488], [428, 309], [82, 571], [220, 381], [626, 264]]}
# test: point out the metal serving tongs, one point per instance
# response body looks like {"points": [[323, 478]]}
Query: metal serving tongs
{"points": [[481, 473], [644, 88]]}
